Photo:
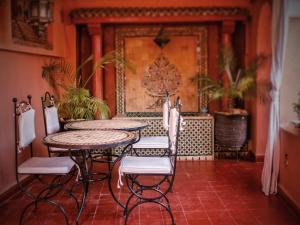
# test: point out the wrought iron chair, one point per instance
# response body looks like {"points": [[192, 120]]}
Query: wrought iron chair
{"points": [[137, 171], [52, 125], [59, 168], [156, 142], [51, 121]]}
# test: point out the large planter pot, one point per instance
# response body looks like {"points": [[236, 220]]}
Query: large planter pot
{"points": [[230, 130]]}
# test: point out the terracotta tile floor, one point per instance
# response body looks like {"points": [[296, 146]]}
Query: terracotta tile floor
{"points": [[205, 193]]}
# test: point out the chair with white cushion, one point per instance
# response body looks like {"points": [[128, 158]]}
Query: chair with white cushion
{"points": [[156, 142], [59, 169], [51, 121], [52, 125], [149, 179]]}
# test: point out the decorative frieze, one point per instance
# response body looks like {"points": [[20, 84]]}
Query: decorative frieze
{"points": [[158, 12]]}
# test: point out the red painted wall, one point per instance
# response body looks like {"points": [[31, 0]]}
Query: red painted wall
{"points": [[20, 75], [21, 66], [260, 43]]}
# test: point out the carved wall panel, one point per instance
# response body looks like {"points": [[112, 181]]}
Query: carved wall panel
{"points": [[159, 69]]}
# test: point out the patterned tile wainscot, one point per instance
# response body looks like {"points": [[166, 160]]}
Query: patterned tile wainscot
{"points": [[196, 141]]}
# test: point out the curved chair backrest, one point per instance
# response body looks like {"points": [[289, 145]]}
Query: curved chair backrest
{"points": [[174, 129], [24, 126], [166, 112], [50, 114]]}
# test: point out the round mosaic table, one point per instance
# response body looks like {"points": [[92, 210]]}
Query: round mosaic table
{"points": [[89, 139], [118, 124], [115, 124], [81, 141]]}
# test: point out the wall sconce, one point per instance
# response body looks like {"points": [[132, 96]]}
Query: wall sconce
{"points": [[30, 20], [40, 14]]}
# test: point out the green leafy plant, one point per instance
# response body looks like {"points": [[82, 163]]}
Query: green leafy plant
{"points": [[241, 85], [76, 101], [296, 107]]}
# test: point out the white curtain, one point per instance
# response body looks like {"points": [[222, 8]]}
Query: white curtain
{"points": [[279, 34]]}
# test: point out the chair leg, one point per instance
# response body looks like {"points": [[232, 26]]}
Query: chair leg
{"points": [[127, 204], [138, 193], [61, 208], [53, 188], [85, 181], [168, 208], [127, 210]]}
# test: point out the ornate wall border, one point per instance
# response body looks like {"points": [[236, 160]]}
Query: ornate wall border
{"points": [[121, 33], [157, 12]]}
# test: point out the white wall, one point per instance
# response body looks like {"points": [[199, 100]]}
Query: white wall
{"points": [[291, 75]]}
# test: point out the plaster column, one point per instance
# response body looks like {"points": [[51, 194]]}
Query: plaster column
{"points": [[95, 30], [228, 28]]}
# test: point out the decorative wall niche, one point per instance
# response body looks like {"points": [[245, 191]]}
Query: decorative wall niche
{"points": [[30, 20], [166, 59]]}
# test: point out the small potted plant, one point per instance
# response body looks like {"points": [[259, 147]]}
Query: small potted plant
{"points": [[231, 123], [296, 107], [76, 101]]}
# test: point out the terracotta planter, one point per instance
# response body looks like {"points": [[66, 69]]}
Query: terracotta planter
{"points": [[230, 130]]}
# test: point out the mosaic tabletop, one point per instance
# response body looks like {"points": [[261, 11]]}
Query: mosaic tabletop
{"points": [[89, 139], [117, 124]]}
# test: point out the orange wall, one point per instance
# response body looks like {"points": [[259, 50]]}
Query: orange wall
{"points": [[21, 66], [20, 75], [261, 44], [258, 41]]}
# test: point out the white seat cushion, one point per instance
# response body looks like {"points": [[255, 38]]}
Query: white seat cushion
{"points": [[174, 116], [166, 111], [152, 142], [145, 165], [54, 149], [45, 165]]}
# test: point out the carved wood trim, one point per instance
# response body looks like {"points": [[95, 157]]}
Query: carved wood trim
{"points": [[112, 15]]}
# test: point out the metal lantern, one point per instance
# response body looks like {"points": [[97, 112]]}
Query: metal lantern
{"points": [[41, 14]]}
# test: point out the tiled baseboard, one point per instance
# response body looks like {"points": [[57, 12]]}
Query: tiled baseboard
{"points": [[191, 158]]}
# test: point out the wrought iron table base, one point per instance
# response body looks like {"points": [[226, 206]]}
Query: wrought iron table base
{"points": [[85, 176]]}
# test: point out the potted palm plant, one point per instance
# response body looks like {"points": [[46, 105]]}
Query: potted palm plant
{"points": [[76, 101], [231, 124]]}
